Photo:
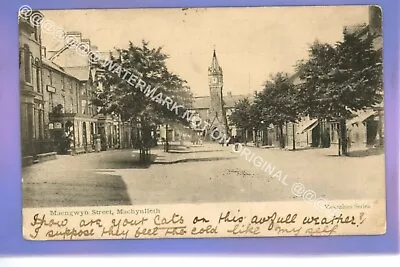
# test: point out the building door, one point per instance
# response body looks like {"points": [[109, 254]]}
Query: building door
{"points": [[315, 135], [372, 131], [84, 135]]}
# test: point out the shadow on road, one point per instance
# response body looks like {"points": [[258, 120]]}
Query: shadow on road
{"points": [[362, 153], [123, 161], [304, 148], [191, 152], [367, 152], [75, 189], [191, 160], [177, 147]]}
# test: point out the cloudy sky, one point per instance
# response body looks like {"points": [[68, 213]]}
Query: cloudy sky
{"points": [[251, 43]]}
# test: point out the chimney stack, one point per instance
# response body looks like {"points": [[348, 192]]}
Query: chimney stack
{"points": [[73, 36], [375, 20], [44, 52]]}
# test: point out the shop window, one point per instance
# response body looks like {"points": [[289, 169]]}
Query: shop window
{"points": [[27, 64], [38, 84]]}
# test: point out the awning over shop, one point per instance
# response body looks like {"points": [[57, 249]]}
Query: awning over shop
{"points": [[361, 118], [308, 126]]}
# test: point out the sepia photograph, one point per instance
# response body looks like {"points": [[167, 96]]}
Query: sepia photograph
{"points": [[131, 111]]}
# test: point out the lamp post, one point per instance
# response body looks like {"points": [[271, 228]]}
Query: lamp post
{"points": [[262, 132]]}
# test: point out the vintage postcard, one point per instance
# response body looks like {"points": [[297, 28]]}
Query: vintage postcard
{"points": [[202, 122]]}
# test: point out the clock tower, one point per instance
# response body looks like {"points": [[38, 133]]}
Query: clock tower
{"points": [[216, 115]]}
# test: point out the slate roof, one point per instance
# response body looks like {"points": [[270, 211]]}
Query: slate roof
{"points": [[82, 73], [203, 102], [52, 65]]}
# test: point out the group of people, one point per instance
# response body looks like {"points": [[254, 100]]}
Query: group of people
{"points": [[232, 140], [196, 140]]}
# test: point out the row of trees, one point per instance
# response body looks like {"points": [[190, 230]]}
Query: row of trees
{"points": [[118, 97], [336, 82]]}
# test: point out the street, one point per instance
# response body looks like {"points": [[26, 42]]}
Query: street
{"points": [[198, 174]]}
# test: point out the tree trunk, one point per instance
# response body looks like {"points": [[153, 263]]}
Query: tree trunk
{"points": [[256, 138], [321, 129], [343, 137], [281, 137], [294, 138], [287, 135], [339, 141], [166, 138]]}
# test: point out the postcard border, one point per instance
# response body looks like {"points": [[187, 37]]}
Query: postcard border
{"points": [[10, 166]]}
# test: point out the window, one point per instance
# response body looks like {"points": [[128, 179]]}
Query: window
{"points": [[71, 110], [28, 64], [77, 97], [51, 102], [62, 83], [64, 103], [37, 33], [34, 78], [38, 123], [83, 106], [39, 89], [71, 89], [36, 132], [41, 123], [51, 77]]}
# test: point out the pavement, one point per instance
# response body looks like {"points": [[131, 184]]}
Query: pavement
{"points": [[198, 174]]}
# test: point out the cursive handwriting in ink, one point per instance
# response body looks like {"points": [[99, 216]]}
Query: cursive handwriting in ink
{"points": [[146, 232], [127, 222], [326, 230], [335, 220], [274, 218], [92, 222], [178, 230], [244, 229], [227, 218], [196, 220], [40, 221], [71, 233], [114, 230], [175, 219], [207, 230], [281, 230]]}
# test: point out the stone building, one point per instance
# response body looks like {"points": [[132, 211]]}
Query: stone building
{"points": [[31, 90], [70, 86], [216, 108], [365, 128], [66, 109]]}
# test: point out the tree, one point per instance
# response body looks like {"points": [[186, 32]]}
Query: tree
{"points": [[277, 103], [120, 97], [241, 116], [341, 80]]}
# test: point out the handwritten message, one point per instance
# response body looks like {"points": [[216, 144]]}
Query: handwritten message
{"points": [[191, 221]]}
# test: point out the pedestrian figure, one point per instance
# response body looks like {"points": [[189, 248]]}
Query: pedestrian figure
{"points": [[227, 141], [98, 144], [236, 140], [221, 141]]}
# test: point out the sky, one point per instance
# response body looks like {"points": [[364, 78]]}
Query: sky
{"points": [[251, 43]]}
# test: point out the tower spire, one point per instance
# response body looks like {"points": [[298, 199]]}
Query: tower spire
{"points": [[215, 68]]}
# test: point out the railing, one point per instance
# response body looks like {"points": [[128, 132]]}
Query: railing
{"points": [[38, 147], [44, 146]]}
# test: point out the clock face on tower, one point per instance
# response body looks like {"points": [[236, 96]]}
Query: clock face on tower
{"points": [[214, 80]]}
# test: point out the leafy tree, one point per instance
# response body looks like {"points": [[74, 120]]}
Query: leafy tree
{"points": [[277, 103], [341, 80], [241, 116], [119, 96]]}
